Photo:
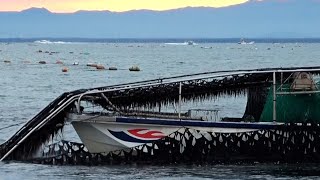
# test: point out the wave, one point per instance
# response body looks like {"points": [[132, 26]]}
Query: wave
{"points": [[177, 43], [182, 44], [51, 42]]}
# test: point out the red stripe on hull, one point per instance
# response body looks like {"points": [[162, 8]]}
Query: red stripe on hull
{"points": [[147, 135]]}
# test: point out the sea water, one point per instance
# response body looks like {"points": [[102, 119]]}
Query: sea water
{"points": [[26, 87]]}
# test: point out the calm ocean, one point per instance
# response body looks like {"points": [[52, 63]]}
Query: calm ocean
{"points": [[27, 87]]}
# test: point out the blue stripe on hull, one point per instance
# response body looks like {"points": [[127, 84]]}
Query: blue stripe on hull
{"points": [[125, 137], [195, 123]]}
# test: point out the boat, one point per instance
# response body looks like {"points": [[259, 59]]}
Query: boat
{"points": [[106, 133], [190, 43], [243, 42], [174, 120]]}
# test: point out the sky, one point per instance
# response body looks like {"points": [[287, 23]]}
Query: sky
{"points": [[69, 6]]}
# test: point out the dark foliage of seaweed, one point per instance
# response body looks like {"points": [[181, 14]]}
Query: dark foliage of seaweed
{"points": [[192, 90], [37, 138]]}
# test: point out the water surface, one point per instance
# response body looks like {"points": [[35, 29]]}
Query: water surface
{"points": [[26, 88]]}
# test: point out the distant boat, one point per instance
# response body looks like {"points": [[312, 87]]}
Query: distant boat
{"points": [[190, 43], [242, 41]]}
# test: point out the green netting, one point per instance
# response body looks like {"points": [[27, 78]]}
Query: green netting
{"points": [[292, 108]]}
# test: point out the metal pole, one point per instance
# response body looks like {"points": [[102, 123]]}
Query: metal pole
{"points": [[274, 98], [281, 80], [180, 89]]}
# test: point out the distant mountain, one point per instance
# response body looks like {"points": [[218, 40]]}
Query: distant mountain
{"points": [[255, 19], [38, 11]]}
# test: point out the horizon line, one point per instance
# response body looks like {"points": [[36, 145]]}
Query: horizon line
{"points": [[158, 40]]}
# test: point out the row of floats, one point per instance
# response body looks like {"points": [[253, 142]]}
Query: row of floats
{"points": [[94, 65]]}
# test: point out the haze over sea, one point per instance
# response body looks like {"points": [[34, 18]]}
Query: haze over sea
{"points": [[27, 87]]}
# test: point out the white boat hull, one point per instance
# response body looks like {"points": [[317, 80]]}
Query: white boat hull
{"points": [[107, 137], [106, 134]]}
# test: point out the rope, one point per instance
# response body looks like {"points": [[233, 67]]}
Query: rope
{"points": [[110, 103]]}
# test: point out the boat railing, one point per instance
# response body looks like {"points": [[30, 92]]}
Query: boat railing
{"points": [[198, 76], [204, 75], [213, 75], [205, 114], [183, 116]]}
